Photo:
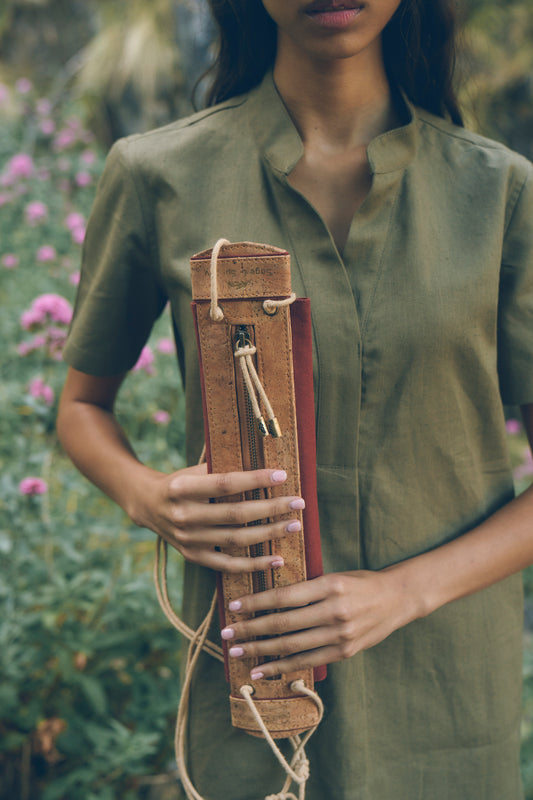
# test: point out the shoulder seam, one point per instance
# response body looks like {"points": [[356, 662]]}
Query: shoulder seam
{"points": [[513, 204], [468, 136], [194, 119]]}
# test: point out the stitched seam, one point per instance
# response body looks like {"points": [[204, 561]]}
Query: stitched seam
{"points": [[192, 120], [513, 204], [485, 144], [381, 267]]}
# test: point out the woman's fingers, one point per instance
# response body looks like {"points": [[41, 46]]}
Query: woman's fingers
{"points": [[185, 483], [318, 621], [303, 660], [190, 514], [199, 529], [228, 538], [297, 594], [283, 646], [279, 630], [233, 564]]}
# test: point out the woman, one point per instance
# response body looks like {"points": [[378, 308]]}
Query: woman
{"points": [[413, 238]]}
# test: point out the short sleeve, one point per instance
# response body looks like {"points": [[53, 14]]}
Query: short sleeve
{"points": [[515, 314], [119, 295]]}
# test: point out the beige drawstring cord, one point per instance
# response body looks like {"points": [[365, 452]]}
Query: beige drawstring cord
{"points": [[244, 354], [161, 587], [297, 770], [271, 306], [215, 312]]}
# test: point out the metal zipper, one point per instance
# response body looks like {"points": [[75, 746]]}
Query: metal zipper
{"points": [[243, 336]]}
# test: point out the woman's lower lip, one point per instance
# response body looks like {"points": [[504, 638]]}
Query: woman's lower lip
{"points": [[340, 18]]}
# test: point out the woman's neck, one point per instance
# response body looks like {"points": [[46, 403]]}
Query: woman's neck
{"points": [[337, 105]]}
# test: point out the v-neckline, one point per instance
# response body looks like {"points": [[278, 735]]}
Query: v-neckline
{"points": [[282, 147]]}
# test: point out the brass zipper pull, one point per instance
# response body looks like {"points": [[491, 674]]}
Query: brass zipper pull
{"points": [[244, 352]]}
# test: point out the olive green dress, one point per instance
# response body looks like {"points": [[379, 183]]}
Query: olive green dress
{"points": [[431, 306]]}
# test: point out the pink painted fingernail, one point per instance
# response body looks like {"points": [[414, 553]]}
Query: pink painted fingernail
{"points": [[227, 633], [235, 605], [279, 562], [279, 475], [294, 526], [256, 676], [297, 505], [236, 652]]}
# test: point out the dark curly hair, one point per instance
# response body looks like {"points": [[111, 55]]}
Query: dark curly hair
{"points": [[418, 46]]}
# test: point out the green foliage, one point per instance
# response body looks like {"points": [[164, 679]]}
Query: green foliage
{"points": [[496, 65], [88, 662]]}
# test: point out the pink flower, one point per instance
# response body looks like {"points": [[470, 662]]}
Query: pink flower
{"points": [[55, 342], [74, 220], [526, 468], [145, 361], [55, 306], [43, 106], [64, 139], [88, 157], [37, 388], [37, 343], [165, 345], [161, 417], [35, 212], [33, 486], [23, 86], [83, 178], [47, 308], [10, 261], [31, 319], [74, 279], [74, 124], [78, 235], [47, 127], [513, 426], [46, 253], [20, 166]]}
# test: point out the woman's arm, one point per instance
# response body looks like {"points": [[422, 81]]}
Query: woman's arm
{"points": [[335, 616], [174, 506]]}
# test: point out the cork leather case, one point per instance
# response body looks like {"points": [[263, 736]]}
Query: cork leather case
{"points": [[280, 341]]}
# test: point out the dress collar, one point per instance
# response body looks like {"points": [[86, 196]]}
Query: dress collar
{"points": [[282, 146]]}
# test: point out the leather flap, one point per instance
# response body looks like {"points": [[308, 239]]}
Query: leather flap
{"points": [[248, 270]]}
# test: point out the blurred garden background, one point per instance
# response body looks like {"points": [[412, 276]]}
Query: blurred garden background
{"points": [[88, 662]]}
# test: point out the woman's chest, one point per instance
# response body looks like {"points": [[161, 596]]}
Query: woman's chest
{"points": [[336, 186]]}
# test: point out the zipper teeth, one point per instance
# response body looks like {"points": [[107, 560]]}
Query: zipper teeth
{"points": [[243, 337]]}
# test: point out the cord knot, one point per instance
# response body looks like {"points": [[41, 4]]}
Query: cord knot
{"points": [[301, 767], [245, 350]]}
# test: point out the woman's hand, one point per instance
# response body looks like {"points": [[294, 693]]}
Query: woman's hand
{"points": [[177, 508], [320, 621]]}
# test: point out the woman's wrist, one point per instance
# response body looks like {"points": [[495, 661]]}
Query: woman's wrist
{"points": [[411, 588], [140, 489]]}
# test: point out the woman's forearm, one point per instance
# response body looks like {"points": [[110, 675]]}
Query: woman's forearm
{"points": [[99, 448]]}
